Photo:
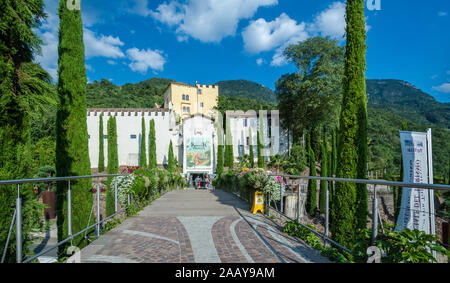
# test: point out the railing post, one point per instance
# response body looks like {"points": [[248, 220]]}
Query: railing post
{"points": [[115, 196], [281, 198], [98, 209], [374, 215], [18, 227], [299, 206], [69, 211], [129, 199], [327, 213]]}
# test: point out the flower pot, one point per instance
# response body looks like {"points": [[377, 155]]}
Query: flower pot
{"points": [[49, 198]]}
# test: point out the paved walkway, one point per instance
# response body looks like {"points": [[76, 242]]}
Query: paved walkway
{"points": [[192, 226]]}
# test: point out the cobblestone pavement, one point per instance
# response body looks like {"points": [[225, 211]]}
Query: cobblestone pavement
{"points": [[198, 227]]}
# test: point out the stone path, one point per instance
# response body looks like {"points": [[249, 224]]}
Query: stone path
{"points": [[192, 226]]}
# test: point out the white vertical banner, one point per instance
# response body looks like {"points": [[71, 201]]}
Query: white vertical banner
{"points": [[417, 207]]}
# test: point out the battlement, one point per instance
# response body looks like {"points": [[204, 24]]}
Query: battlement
{"points": [[207, 86], [127, 111]]}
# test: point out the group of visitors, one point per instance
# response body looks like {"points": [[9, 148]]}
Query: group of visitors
{"points": [[201, 182]]}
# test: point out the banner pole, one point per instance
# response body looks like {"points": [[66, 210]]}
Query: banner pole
{"points": [[431, 181]]}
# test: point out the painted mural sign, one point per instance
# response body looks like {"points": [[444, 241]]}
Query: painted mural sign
{"points": [[198, 152], [417, 208]]}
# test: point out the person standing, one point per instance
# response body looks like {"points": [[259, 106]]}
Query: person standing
{"points": [[197, 182]]}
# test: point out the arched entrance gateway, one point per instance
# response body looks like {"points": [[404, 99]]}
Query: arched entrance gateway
{"points": [[199, 147]]}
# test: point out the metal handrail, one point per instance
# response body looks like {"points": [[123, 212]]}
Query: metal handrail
{"points": [[18, 211], [372, 182], [376, 215], [42, 180]]}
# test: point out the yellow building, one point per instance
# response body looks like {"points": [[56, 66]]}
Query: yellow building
{"points": [[188, 99]]}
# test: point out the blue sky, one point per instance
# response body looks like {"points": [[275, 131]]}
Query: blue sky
{"points": [[213, 40]]}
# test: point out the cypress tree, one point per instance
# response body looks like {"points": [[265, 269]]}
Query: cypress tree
{"points": [[350, 200], [398, 190], [308, 145], [72, 156], [261, 155], [311, 201], [259, 151], [152, 162], [251, 151], [113, 163], [143, 151], [229, 154], [323, 173], [24, 88], [101, 145], [219, 166], [448, 181], [333, 153], [171, 159]]}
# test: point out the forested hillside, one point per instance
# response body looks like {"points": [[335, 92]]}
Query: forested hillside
{"points": [[246, 89]]}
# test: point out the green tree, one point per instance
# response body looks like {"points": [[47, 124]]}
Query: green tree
{"points": [[323, 172], [399, 190], [350, 200], [152, 146], [101, 146], [25, 88], [143, 151], [219, 166], [171, 164], [72, 156], [229, 154], [311, 201], [333, 153], [251, 151], [310, 96], [113, 163], [260, 149]]}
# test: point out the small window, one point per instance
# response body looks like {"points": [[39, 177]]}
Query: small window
{"points": [[105, 137], [89, 136], [245, 122], [248, 140], [189, 109], [184, 97], [199, 91], [187, 97], [133, 137], [201, 104]]}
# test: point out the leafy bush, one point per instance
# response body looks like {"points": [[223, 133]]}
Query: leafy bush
{"points": [[408, 246]]}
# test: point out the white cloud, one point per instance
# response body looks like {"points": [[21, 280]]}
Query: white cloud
{"points": [[445, 88], [260, 61], [142, 60], [330, 22], [170, 14], [140, 8], [103, 46], [111, 62], [442, 14], [208, 20], [261, 35]]}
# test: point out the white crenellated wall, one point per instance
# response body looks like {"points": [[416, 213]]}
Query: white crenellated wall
{"points": [[129, 123]]}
